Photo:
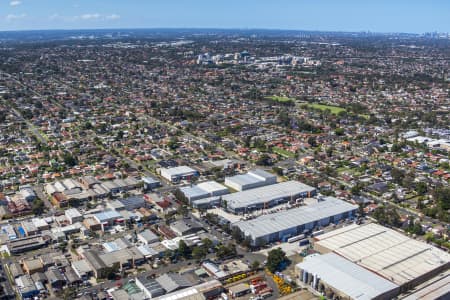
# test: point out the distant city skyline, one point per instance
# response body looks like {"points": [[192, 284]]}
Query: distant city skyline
{"points": [[411, 16]]}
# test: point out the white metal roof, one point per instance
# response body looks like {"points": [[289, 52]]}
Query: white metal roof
{"points": [[347, 277], [176, 171], [266, 194], [211, 186], [384, 251], [276, 222]]}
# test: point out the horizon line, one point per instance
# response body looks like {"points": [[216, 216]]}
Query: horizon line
{"points": [[222, 28]]}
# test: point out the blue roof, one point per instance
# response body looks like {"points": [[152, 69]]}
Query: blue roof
{"points": [[21, 231], [107, 215]]}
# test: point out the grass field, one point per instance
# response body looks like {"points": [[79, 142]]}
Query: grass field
{"points": [[334, 109], [281, 99], [283, 152]]}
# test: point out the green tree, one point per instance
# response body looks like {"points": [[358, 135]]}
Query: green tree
{"points": [[207, 243], [339, 131], [264, 160], [38, 207], [198, 252], [183, 249], [69, 159], [255, 265], [421, 188], [397, 175], [387, 216], [275, 259]]}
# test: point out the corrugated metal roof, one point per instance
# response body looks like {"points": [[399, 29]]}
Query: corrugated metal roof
{"points": [[385, 251], [347, 277], [266, 194], [276, 222]]}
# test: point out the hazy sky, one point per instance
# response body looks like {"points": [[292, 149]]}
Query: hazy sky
{"points": [[334, 15]]}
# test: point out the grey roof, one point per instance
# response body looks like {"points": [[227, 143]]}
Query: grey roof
{"points": [[261, 173], [149, 236], [184, 225], [194, 192], [266, 194], [253, 177], [173, 281], [94, 260], [151, 285], [276, 222], [150, 180], [39, 276], [16, 269], [244, 179], [347, 277], [133, 201], [54, 275], [71, 275]]}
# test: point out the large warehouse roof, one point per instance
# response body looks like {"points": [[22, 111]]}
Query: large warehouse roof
{"points": [[253, 176], [204, 189], [266, 193], [347, 277], [211, 186], [267, 224], [175, 171], [384, 251]]}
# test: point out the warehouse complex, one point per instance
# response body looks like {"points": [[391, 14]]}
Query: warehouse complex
{"points": [[253, 179], [178, 173], [282, 225], [398, 258], [266, 197], [203, 190], [337, 276]]}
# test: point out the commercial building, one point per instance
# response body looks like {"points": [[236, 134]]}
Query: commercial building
{"points": [[282, 225], [207, 290], [82, 268], [226, 270], [147, 237], [107, 218], [398, 258], [32, 266], [133, 202], [203, 190], [25, 244], [96, 264], [437, 288], [336, 276], [150, 183], [253, 179], [206, 203], [239, 290], [149, 286], [171, 282], [29, 228], [178, 173], [185, 227], [266, 196], [26, 287], [73, 215]]}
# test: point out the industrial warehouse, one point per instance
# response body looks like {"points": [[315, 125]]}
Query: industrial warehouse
{"points": [[253, 179], [398, 258], [266, 197], [203, 190], [335, 276], [282, 225]]}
